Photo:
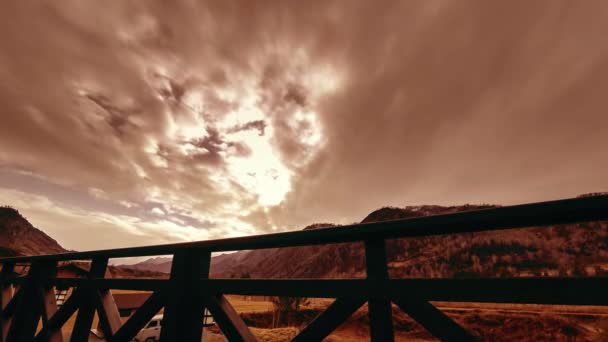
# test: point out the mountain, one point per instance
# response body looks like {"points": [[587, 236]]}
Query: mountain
{"points": [[566, 250], [223, 262], [344, 260], [323, 261], [575, 249], [19, 237], [158, 264]]}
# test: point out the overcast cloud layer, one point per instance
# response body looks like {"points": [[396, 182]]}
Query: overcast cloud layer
{"points": [[141, 122]]}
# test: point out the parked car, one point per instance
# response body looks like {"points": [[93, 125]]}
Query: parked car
{"points": [[151, 332]]}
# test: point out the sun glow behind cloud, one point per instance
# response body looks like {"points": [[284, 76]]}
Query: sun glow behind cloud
{"points": [[251, 157], [192, 138], [262, 172], [241, 120], [243, 137]]}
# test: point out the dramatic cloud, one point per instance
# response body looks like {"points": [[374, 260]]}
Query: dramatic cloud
{"points": [[168, 121]]}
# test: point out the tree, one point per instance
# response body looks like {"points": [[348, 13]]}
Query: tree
{"points": [[285, 309]]}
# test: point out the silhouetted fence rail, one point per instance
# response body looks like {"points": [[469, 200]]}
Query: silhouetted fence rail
{"points": [[27, 300]]}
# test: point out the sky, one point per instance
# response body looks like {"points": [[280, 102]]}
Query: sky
{"points": [[147, 122]]}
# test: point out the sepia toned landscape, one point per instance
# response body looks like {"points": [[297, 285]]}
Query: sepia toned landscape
{"points": [[303, 171], [568, 250]]}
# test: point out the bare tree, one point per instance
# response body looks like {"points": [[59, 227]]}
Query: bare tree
{"points": [[285, 309]]}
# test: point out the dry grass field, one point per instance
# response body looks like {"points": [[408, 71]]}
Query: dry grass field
{"points": [[248, 306]]}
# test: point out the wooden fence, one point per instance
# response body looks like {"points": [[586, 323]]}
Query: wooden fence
{"points": [[28, 299]]}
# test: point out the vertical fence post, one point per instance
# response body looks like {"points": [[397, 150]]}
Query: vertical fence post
{"points": [[109, 316], [183, 316], [380, 312], [49, 306], [30, 305], [6, 296], [88, 302]]}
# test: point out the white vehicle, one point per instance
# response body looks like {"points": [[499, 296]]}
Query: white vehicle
{"points": [[151, 332]]}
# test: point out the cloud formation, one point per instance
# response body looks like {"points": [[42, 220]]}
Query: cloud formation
{"points": [[235, 117]]}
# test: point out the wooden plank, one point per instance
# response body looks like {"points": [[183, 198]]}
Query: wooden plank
{"points": [[8, 312], [15, 280], [554, 290], [30, 304], [434, 321], [109, 316], [6, 297], [49, 310], [11, 306], [380, 312], [229, 320], [323, 325], [56, 321], [140, 318], [117, 284], [543, 290], [183, 316], [322, 288], [88, 302], [517, 216]]}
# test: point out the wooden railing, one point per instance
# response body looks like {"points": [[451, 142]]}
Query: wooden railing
{"points": [[27, 300]]}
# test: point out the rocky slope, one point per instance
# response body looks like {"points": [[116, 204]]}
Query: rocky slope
{"points": [[19, 237]]}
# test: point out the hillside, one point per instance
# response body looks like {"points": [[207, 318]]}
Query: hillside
{"points": [[157, 264], [221, 263], [580, 249], [19, 237]]}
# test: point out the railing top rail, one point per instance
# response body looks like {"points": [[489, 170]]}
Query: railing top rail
{"points": [[565, 211]]}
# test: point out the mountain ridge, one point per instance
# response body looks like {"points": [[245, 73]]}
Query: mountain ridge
{"points": [[575, 249], [19, 237], [566, 250], [323, 261]]}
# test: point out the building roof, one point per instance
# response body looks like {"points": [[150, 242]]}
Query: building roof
{"points": [[77, 270], [131, 300]]}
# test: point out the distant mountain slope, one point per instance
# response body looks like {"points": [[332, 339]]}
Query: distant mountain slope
{"points": [[119, 271], [324, 261], [578, 249], [575, 249], [330, 261], [157, 264], [19, 237], [223, 262]]}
